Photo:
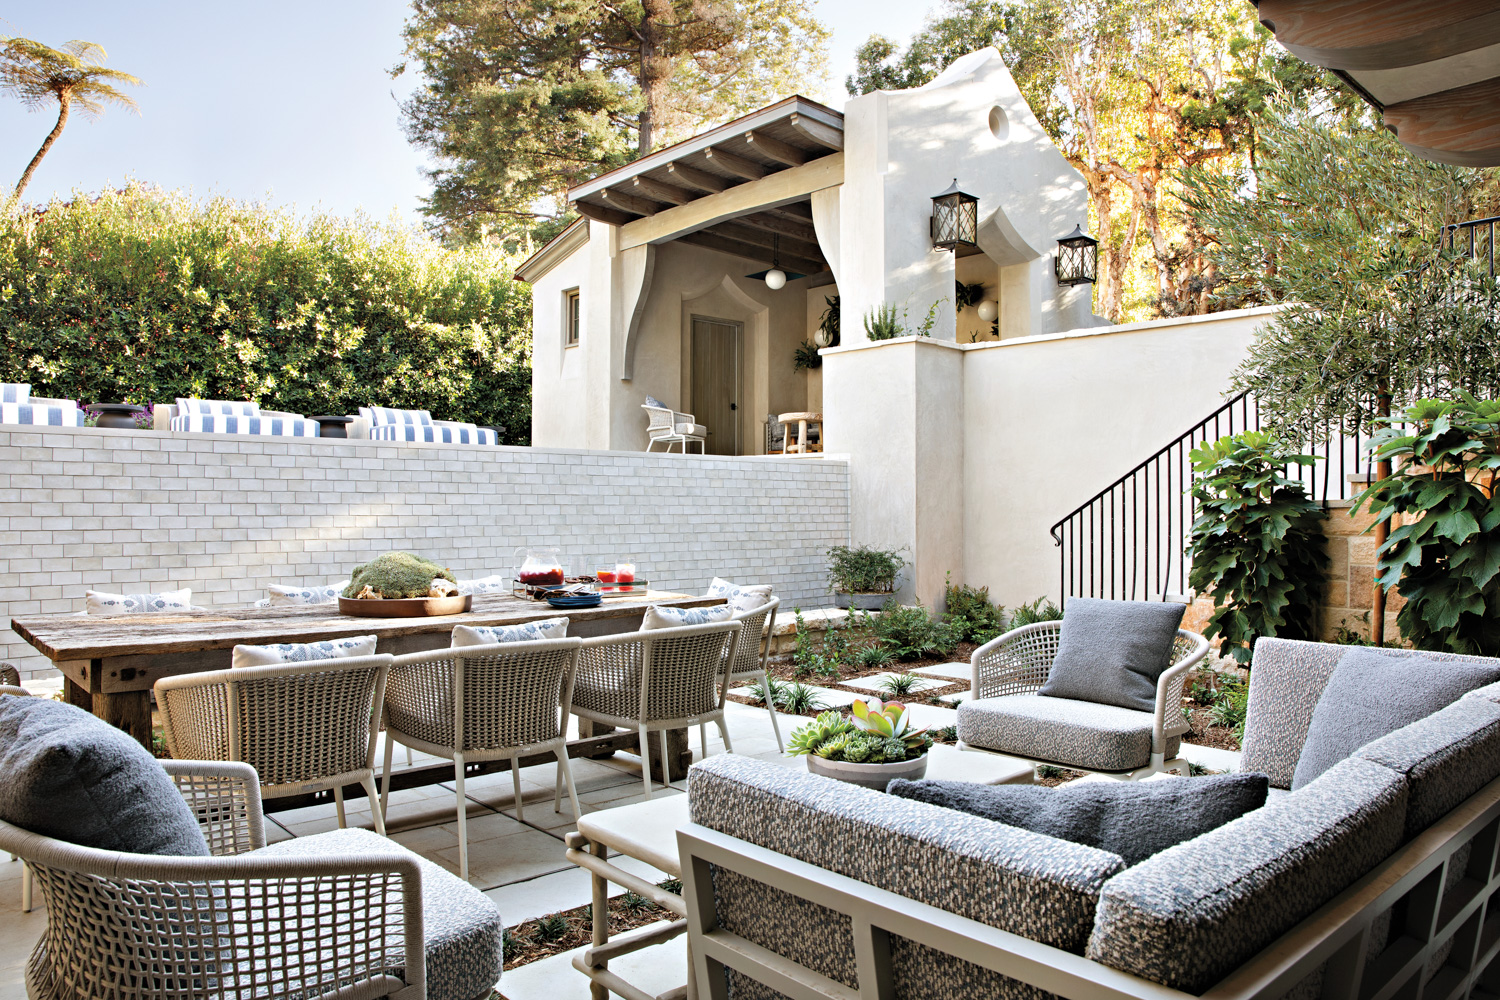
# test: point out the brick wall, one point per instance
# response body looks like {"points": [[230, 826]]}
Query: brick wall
{"points": [[225, 515]]}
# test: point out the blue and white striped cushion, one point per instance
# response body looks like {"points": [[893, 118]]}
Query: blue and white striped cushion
{"points": [[262, 426], [50, 415], [210, 407], [383, 415], [433, 434], [15, 392]]}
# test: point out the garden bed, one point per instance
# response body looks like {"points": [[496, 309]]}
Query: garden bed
{"points": [[534, 940]]}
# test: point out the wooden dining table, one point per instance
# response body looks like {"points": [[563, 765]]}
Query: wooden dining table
{"points": [[110, 662]]}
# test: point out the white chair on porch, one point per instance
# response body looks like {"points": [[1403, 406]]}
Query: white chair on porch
{"points": [[669, 427]]}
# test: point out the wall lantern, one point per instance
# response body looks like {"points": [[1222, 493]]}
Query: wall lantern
{"points": [[1077, 258], [955, 219], [774, 277], [988, 310]]}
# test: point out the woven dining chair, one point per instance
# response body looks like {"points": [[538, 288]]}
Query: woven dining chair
{"points": [[752, 653], [10, 683], [506, 700], [304, 727], [656, 680]]}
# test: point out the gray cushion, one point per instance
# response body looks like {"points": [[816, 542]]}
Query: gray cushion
{"points": [[1195, 912], [1371, 694], [1062, 731], [1446, 758], [1112, 652], [461, 928], [1132, 819], [76, 778]]}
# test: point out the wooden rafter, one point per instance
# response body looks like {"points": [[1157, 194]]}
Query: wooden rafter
{"points": [[759, 237], [737, 165], [775, 149], [699, 179], [629, 202], [750, 251], [662, 192], [1459, 126], [816, 131], [1380, 34], [780, 224], [599, 213]]}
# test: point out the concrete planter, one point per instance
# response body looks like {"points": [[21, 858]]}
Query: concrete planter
{"points": [[864, 602], [875, 776]]}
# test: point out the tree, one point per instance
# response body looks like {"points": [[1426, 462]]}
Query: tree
{"points": [[1132, 92], [38, 75], [522, 99]]}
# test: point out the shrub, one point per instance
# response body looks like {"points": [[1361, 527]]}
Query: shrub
{"points": [[1039, 610], [1256, 544], [1445, 554], [143, 295], [873, 657], [969, 611], [910, 633], [863, 570], [899, 685], [881, 323]]}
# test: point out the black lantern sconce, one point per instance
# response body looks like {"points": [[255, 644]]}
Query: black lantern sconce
{"points": [[1077, 258], [955, 219]]}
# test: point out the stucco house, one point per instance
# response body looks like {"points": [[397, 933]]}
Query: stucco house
{"points": [[660, 288]]}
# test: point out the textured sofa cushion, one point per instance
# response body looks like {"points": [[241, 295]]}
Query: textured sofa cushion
{"points": [[484, 635], [1112, 652], [260, 425], [740, 598], [280, 595], [102, 602], [1446, 757], [1077, 733], [461, 929], [1132, 819], [15, 392], [302, 652], [1195, 912], [660, 617], [1371, 694], [74, 777], [387, 415]]}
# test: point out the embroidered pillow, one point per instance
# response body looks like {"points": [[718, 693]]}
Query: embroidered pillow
{"points": [[484, 635], [302, 652], [282, 596], [101, 602], [660, 617], [740, 598], [493, 584]]}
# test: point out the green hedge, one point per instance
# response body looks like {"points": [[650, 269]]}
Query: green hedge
{"points": [[143, 295]]}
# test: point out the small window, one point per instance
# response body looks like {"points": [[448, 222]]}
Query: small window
{"points": [[570, 317]]}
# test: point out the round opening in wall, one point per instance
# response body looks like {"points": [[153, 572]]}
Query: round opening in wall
{"points": [[999, 124]]}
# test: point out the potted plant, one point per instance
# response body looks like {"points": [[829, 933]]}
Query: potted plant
{"points": [[876, 744], [862, 577]]}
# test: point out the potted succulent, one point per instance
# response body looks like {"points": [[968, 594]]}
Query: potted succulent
{"points": [[862, 577], [874, 745]]}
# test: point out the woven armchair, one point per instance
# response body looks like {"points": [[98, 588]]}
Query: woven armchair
{"points": [[1006, 715], [752, 652], [10, 683], [656, 680], [304, 727], [223, 926], [475, 703], [668, 427]]}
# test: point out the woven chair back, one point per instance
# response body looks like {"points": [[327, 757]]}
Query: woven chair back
{"points": [[674, 671], [512, 694], [659, 421], [755, 630]]}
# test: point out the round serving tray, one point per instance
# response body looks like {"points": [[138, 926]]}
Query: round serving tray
{"points": [[405, 607]]}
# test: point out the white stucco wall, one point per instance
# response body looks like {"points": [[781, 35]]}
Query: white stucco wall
{"points": [[559, 374]]}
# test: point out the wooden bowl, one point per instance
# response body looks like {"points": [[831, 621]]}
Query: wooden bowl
{"points": [[405, 607]]}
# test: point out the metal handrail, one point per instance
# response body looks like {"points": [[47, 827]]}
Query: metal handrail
{"points": [[1450, 237]]}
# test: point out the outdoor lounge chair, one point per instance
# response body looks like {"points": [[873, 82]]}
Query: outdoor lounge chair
{"points": [[655, 680], [475, 703], [668, 427], [1007, 715], [217, 416], [752, 653], [382, 423], [10, 683], [19, 406], [304, 727]]}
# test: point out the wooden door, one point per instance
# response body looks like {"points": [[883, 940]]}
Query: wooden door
{"points": [[716, 381]]}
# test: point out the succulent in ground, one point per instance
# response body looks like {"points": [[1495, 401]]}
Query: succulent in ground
{"points": [[396, 575]]}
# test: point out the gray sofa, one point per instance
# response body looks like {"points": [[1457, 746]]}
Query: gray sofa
{"points": [[1371, 881]]}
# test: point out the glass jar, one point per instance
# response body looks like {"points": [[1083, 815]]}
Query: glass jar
{"points": [[539, 566]]}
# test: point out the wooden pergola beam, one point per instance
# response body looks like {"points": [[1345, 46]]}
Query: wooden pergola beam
{"points": [[775, 149], [1459, 126], [662, 192], [818, 132], [1380, 34], [699, 179], [759, 237], [750, 252], [737, 165], [797, 211], [599, 213], [629, 202], [780, 224]]}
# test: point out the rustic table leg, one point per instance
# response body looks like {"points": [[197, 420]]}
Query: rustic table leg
{"points": [[128, 710], [77, 695], [601, 918], [588, 728], [679, 754]]}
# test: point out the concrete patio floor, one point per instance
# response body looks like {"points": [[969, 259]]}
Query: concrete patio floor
{"points": [[517, 863]]}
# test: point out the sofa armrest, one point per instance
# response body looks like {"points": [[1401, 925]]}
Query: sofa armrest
{"points": [[225, 798], [358, 427], [161, 416], [1287, 677]]}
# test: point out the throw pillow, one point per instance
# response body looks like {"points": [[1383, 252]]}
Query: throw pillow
{"points": [[1134, 819], [1371, 693], [493, 584], [74, 777], [484, 635], [302, 652], [660, 617], [283, 596], [741, 599], [653, 401], [1112, 652], [101, 602]]}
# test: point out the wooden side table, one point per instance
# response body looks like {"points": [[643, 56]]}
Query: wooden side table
{"points": [[802, 419], [646, 831]]}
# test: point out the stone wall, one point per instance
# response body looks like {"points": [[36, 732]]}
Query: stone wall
{"points": [[133, 511], [1351, 576]]}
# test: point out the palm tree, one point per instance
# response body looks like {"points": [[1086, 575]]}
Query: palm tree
{"points": [[39, 74]]}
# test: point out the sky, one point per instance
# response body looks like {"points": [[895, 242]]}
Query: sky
{"points": [[285, 102]]}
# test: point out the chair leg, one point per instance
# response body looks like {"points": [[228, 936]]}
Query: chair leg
{"points": [[385, 775], [702, 741], [408, 756], [377, 808], [765, 680], [515, 780], [646, 761], [26, 906], [666, 769], [463, 817], [338, 802], [557, 789], [565, 771], [724, 732]]}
